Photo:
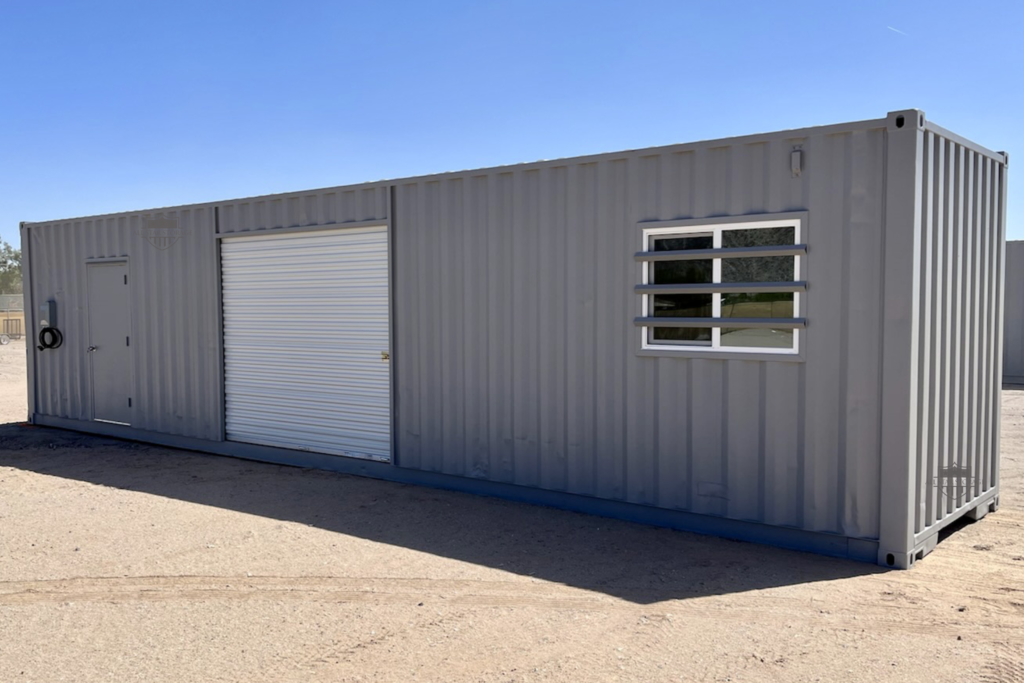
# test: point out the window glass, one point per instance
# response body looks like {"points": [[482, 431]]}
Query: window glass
{"points": [[758, 305], [733, 337], [681, 305], [759, 237], [682, 243], [682, 272], [759, 269], [763, 269], [700, 336]]}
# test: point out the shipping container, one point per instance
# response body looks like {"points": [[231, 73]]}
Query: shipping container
{"points": [[791, 338], [1013, 323]]}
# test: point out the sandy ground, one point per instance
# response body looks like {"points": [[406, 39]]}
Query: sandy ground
{"points": [[125, 562]]}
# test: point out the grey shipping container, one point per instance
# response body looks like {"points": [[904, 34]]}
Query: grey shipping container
{"points": [[791, 338], [1013, 324]]}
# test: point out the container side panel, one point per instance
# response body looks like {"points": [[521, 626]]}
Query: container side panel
{"points": [[783, 403], [474, 327], [517, 360], [997, 353], [979, 241], [173, 303], [430, 308], [524, 348], [958, 310], [744, 439], [1013, 322], [824, 310], [29, 323], [643, 388], [862, 279], [580, 327], [453, 336], [552, 346], [408, 309], [305, 209]]}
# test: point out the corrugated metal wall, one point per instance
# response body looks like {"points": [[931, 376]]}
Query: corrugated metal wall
{"points": [[174, 319], [961, 269], [315, 207], [1013, 311], [177, 338], [516, 357]]}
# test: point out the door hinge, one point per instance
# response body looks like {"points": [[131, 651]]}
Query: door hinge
{"points": [[129, 402], [126, 279], [127, 341]]}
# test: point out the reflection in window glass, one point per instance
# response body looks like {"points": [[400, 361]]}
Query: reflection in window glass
{"points": [[682, 272], [759, 237], [684, 243], [681, 306], [757, 338], [763, 269], [759, 269], [690, 335], [758, 305]]}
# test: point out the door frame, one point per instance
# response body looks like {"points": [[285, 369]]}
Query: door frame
{"points": [[131, 332]]}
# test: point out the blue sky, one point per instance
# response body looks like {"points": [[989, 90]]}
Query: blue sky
{"points": [[109, 106]]}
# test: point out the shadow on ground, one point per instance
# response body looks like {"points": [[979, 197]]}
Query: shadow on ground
{"points": [[630, 561]]}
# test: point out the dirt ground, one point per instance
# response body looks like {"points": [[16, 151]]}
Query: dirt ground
{"points": [[126, 562]]}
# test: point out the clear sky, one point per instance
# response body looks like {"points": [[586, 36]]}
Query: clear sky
{"points": [[110, 106]]}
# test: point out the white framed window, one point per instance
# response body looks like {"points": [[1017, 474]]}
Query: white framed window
{"points": [[722, 287]]}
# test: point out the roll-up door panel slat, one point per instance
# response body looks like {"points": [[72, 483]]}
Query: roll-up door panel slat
{"points": [[305, 323]]}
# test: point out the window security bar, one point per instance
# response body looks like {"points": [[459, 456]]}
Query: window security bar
{"points": [[773, 323], [732, 252], [723, 287]]}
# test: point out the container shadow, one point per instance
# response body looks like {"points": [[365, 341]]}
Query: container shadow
{"points": [[637, 563]]}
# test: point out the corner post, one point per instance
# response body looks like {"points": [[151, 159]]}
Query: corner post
{"points": [[30, 318], [997, 458], [900, 334]]}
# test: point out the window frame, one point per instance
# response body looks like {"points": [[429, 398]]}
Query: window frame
{"points": [[651, 231]]}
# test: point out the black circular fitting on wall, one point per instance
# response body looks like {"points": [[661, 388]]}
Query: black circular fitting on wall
{"points": [[50, 338]]}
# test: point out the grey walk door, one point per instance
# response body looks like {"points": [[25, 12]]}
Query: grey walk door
{"points": [[306, 354], [109, 350]]}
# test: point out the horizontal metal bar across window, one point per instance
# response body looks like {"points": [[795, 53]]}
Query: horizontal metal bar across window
{"points": [[723, 287], [773, 323], [733, 252]]}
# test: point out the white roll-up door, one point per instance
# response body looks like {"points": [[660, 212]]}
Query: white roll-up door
{"points": [[306, 341]]}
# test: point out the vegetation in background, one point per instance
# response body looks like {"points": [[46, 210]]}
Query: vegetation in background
{"points": [[10, 269]]}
